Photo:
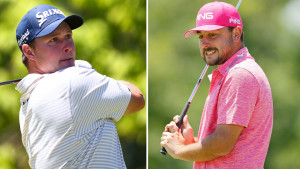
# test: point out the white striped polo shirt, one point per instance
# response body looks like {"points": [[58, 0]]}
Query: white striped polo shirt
{"points": [[67, 119]]}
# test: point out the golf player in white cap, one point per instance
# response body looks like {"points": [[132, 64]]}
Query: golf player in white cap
{"points": [[237, 119], [68, 110]]}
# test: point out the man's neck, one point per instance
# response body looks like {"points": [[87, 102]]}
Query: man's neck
{"points": [[32, 68], [235, 50]]}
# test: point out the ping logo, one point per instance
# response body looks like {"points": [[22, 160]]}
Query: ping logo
{"points": [[240, 55], [235, 21], [208, 15], [42, 16]]}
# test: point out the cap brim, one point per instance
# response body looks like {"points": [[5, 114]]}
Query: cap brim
{"points": [[74, 21], [193, 31]]}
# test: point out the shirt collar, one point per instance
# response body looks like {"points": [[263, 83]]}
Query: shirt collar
{"points": [[238, 57]]}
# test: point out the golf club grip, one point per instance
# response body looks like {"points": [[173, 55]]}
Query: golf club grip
{"points": [[182, 114], [163, 151]]}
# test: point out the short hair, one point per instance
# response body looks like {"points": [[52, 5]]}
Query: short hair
{"points": [[231, 29], [24, 58]]}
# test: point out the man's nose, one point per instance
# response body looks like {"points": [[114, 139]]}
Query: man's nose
{"points": [[204, 43], [68, 46]]}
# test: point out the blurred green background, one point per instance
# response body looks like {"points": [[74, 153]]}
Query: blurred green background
{"points": [[112, 39], [272, 35]]}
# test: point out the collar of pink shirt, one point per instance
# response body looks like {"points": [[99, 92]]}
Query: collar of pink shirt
{"points": [[238, 57]]}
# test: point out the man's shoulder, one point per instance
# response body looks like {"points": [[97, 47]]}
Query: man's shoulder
{"points": [[81, 78], [65, 76], [250, 71], [251, 66], [74, 72]]}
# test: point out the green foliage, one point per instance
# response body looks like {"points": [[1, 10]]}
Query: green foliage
{"points": [[112, 39], [272, 37]]}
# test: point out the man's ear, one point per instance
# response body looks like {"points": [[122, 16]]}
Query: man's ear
{"points": [[28, 52], [237, 33]]}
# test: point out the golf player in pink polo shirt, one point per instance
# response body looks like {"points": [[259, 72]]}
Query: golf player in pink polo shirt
{"points": [[237, 118]]}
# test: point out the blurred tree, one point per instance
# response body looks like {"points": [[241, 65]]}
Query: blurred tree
{"points": [[112, 39], [272, 36]]}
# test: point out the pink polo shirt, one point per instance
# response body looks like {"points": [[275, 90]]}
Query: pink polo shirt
{"points": [[239, 94]]}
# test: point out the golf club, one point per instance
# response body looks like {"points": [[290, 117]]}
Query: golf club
{"points": [[188, 103], [10, 82], [78, 63]]}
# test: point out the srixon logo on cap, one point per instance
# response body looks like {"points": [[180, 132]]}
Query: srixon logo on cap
{"points": [[208, 15], [42, 16], [24, 38]]}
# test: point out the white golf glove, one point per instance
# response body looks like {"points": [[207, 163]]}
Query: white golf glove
{"points": [[83, 63]]}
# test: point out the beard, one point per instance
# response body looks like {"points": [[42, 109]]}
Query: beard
{"points": [[212, 61], [223, 53]]}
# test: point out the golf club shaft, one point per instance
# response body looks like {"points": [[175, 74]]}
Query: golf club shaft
{"points": [[187, 105], [238, 4], [10, 82]]}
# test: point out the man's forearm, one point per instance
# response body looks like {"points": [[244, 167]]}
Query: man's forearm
{"points": [[217, 144], [199, 151]]}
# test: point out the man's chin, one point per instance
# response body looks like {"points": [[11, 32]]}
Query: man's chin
{"points": [[64, 66], [212, 62]]}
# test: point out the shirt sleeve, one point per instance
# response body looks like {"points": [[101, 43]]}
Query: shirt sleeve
{"points": [[94, 97], [238, 96]]}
